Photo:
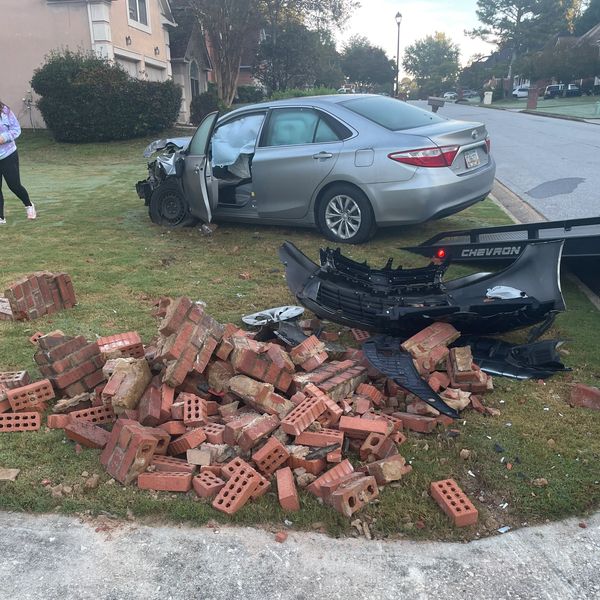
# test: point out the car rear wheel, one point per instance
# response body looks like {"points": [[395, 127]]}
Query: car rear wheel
{"points": [[344, 215], [169, 207]]}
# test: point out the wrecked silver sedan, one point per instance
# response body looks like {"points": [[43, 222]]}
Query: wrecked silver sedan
{"points": [[345, 165]]}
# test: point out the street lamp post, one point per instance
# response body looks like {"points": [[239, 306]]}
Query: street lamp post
{"points": [[398, 18]]}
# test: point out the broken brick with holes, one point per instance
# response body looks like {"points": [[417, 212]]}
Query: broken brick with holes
{"points": [[207, 410]]}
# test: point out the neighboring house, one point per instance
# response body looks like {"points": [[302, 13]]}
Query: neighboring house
{"points": [[190, 60], [133, 33]]}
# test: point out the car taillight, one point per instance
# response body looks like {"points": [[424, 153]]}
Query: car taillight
{"points": [[488, 143], [441, 253], [426, 157]]}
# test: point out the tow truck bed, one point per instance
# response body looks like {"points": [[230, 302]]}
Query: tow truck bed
{"points": [[582, 239]]}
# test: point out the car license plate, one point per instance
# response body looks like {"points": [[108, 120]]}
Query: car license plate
{"points": [[472, 159]]}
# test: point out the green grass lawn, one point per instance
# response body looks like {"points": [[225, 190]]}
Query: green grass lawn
{"points": [[583, 107], [92, 225]]}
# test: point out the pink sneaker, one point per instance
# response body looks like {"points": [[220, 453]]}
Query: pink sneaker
{"points": [[31, 214]]}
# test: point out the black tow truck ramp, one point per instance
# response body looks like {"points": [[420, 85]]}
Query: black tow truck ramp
{"points": [[581, 236]]}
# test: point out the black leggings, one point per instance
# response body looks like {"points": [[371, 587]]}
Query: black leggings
{"points": [[9, 170]]}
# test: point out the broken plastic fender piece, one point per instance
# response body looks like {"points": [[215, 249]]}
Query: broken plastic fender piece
{"points": [[385, 354]]}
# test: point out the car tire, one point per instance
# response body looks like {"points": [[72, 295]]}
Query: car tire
{"points": [[168, 206], [344, 215]]}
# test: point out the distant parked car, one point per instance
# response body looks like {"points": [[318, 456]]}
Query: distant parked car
{"points": [[559, 90], [450, 96], [521, 92], [344, 164]]}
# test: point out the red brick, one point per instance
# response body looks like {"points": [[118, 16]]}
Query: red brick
{"points": [[87, 434], [416, 422], [194, 410], [177, 411], [271, 456], [437, 334], [310, 354], [233, 429], [96, 414], [260, 396], [129, 451], [357, 428], [237, 491], [24, 421], [58, 421], [191, 439], [175, 316], [350, 497], [377, 446], [300, 417], [207, 484], [360, 335], [166, 481], [257, 430], [321, 438], [149, 406], [167, 397], [236, 463], [585, 396], [371, 392], [286, 490], [28, 397], [174, 427], [163, 439], [171, 464], [35, 337], [337, 472], [454, 502], [314, 466], [126, 344], [214, 432], [15, 379], [329, 487]]}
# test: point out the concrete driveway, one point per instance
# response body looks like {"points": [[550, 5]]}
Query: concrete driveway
{"points": [[46, 557]]}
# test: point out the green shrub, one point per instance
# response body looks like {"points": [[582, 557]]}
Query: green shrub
{"points": [[203, 104], [85, 98], [300, 93], [248, 94]]}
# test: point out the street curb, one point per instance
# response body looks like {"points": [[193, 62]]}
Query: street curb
{"points": [[522, 212], [525, 111]]}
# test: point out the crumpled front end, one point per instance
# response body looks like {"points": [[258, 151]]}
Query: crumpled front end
{"points": [[405, 301]]}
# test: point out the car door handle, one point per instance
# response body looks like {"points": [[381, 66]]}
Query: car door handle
{"points": [[322, 155], [197, 169]]}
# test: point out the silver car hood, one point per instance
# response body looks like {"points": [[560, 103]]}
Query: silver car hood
{"points": [[178, 142]]}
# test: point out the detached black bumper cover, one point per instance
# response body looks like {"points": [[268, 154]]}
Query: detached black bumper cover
{"points": [[405, 301]]}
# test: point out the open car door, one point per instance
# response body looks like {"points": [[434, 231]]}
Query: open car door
{"points": [[196, 168]]}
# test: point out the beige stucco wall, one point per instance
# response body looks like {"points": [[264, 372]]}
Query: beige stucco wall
{"points": [[30, 29]]}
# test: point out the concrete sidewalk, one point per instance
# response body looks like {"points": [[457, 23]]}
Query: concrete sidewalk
{"points": [[48, 556]]}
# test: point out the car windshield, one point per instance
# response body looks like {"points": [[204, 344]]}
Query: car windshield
{"points": [[390, 113]]}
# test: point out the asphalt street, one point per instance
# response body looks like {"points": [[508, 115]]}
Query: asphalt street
{"points": [[48, 556], [553, 164]]}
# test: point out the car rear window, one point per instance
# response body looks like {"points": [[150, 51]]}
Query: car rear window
{"points": [[390, 113]]}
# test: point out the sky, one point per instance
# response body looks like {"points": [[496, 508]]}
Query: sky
{"points": [[375, 20]]}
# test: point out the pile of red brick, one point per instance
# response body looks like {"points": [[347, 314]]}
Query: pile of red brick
{"points": [[206, 406], [35, 295]]}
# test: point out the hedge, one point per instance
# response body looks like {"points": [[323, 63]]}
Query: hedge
{"points": [[86, 98]]}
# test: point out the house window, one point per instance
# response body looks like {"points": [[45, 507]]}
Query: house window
{"points": [[138, 11], [195, 79]]}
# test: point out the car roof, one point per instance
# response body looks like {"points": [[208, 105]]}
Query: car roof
{"points": [[322, 101]]}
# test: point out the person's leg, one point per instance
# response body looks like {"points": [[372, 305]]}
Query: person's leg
{"points": [[13, 178], [1, 195]]}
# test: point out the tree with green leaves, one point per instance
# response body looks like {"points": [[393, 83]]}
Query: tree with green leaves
{"points": [[233, 28], [367, 65], [434, 63], [524, 25], [301, 58], [589, 18]]}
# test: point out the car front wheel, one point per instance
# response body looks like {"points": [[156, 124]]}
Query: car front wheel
{"points": [[169, 207], [344, 215]]}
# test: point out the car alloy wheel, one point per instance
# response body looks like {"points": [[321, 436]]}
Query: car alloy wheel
{"points": [[343, 216]]}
